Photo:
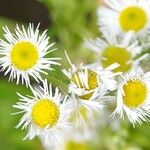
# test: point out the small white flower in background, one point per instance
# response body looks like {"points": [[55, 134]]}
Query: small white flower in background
{"points": [[23, 54], [76, 140], [133, 96], [121, 16], [117, 49], [74, 143], [88, 86], [45, 114]]}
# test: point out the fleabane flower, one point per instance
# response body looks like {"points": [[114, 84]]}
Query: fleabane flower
{"points": [[76, 140], [45, 114], [133, 96], [76, 143], [23, 54], [87, 86], [121, 16], [117, 49]]}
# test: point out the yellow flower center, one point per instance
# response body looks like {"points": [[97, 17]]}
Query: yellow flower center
{"points": [[72, 145], [92, 83], [45, 113], [133, 18], [24, 55], [114, 54], [135, 93]]}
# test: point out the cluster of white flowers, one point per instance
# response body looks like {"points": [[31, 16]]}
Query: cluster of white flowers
{"points": [[116, 76]]}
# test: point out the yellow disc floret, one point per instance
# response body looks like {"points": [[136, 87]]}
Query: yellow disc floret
{"points": [[72, 145], [114, 54], [135, 93], [24, 55], [45, 113], [133, 18], [92, 83]]}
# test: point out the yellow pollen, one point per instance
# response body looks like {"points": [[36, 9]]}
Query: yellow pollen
{"points": [[133, 18], [92, 83], [24, 55], [72, 145], [114, 54], [135, 93], [45, 113]]}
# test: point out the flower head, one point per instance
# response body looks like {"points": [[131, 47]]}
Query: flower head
{"points": [[117, 49], [88, 86], [133, 96], [123, 16], [23, 54], [44, 113], [76, 140]]}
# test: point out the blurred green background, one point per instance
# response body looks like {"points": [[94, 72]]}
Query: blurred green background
{"points": [[68, 23]]}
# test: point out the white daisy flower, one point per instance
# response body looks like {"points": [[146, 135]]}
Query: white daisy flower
{"points": [[88, 86], [75, 139], [133, 96], [117, 49], [84, 119], [78, 141], [23, 54], [45, 114], [121, 16]]}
